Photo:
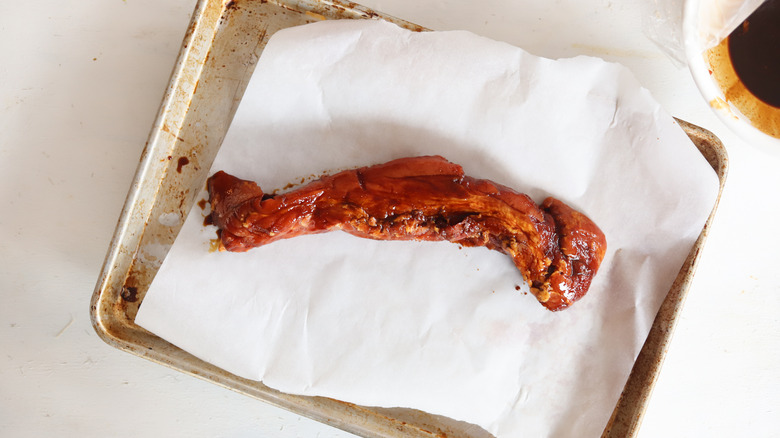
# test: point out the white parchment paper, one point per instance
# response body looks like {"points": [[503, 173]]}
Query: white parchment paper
{"points": [[430, 325]]}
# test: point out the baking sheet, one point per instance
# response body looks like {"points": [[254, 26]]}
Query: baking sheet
{"points": [[134, 255], [396, 324]]}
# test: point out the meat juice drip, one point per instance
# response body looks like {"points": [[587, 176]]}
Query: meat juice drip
{"points": [[183, 161], [754, 48]]}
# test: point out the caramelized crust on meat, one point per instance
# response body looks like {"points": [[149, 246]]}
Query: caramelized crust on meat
{"points": [[557, 249]]}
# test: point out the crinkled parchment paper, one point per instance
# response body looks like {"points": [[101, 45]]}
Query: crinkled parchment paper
{"points": [[431, 325]]}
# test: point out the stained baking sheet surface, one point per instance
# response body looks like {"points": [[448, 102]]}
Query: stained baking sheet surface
{"points": [[216, 62]]}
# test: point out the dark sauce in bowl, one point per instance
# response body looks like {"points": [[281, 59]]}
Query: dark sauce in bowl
{"points": [[754, 48]]}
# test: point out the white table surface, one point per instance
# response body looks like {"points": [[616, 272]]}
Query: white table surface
{"points": [[80, 84]]}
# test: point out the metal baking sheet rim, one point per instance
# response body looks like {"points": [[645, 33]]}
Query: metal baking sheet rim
{"points": [[165, 174]]}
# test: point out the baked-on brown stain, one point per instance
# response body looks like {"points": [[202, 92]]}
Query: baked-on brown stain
{"points": [[557, 249], [746, 67], [130, 294]]}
